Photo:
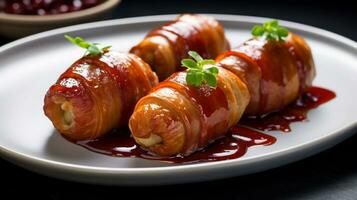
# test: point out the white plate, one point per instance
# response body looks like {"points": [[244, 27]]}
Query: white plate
{"points": [[30, 65]]}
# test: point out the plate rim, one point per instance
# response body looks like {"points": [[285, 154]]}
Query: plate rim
{"points": [[12, 155]]}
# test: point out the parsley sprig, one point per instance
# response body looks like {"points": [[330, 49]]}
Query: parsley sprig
{"points": [[200, 71], [91, 48], [270, 31]]}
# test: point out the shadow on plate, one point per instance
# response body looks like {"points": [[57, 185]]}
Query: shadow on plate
{"points": [[59, 149]]}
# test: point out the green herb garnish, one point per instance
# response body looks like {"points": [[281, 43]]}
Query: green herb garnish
{"points": [[198, 72], [270, 31], [91, 48]]}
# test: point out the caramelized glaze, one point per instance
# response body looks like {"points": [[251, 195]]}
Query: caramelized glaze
{"points": [[97, 93]]}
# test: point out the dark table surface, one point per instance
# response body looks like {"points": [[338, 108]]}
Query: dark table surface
{"points": [[328, 175]]}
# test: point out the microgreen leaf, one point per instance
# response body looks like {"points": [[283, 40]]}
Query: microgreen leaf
{"points": [[91, 48], [270, 31], [189, 63], [257, 30], [190, 78], [194, 77], [283, 32], [211, 79], [195, 56], [200, 71], [213, 70], [94, 50], [208, 62]]}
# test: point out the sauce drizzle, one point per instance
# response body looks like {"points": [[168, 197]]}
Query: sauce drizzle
{"points": [[295, 112], [234, 145]]}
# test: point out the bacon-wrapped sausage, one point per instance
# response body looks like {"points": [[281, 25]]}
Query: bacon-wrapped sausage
{"points": [[180, 119], [164, 47], [176, 118], [275, 72], [97, 94]]}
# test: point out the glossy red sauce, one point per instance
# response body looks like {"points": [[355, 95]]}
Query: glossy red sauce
{"points": [[45, 7], [295, 112], [192, 36], [234, 145], [272, 72], [301, 61]]}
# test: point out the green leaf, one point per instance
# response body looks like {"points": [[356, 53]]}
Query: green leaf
{"points": [[71, 39], [83, 44], [212, 70], [91, 48], [79, 40], [283, 32], [194, 78], [274, 36], [189, 63], [94, 50], [257, 30], [207, 62], [195, 56], [199, 78], [211, 79], [190, 78], [270, 31], [274, 23], [199, 70]]}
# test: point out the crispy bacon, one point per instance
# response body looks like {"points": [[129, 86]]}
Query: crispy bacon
{"points": [[164, 48], [97, 94]]}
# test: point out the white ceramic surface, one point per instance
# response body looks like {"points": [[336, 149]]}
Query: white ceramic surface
{"points": [[30, 65]]}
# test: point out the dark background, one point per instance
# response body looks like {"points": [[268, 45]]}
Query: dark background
{"points": [[328, 175]]}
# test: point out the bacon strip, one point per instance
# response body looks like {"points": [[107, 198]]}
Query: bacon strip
{"points": [[164, 48], [97, 94]]}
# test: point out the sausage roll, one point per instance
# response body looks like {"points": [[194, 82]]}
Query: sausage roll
{"points": [[97, 94], [275, 72], [258, 77], [176, 118], [164, 47]]}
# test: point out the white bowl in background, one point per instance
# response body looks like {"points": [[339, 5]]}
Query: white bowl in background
{"points": [[16, 26]]}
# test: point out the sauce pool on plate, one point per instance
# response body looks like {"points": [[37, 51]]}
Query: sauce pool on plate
{"points": [[234, 145], [295, 112]]}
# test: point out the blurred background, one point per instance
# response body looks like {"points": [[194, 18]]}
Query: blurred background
{"points": [[329, 175], [336, 16]]}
